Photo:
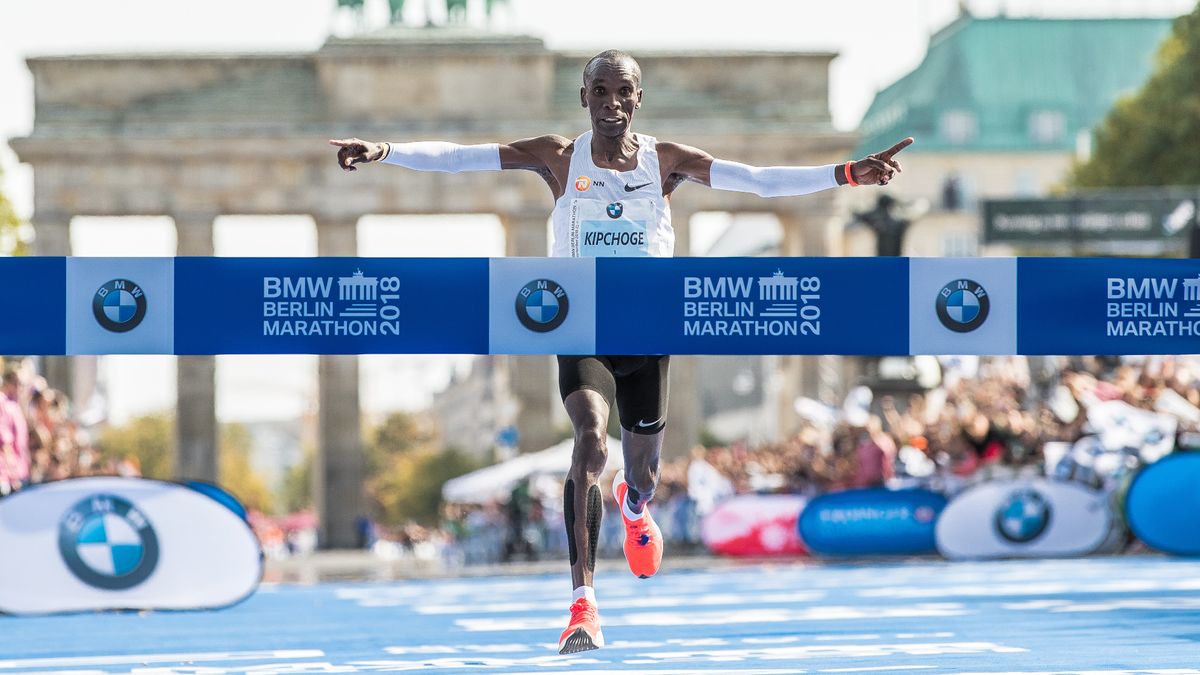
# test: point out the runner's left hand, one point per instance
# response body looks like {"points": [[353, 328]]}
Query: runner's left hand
{"points": [[879, 168]]}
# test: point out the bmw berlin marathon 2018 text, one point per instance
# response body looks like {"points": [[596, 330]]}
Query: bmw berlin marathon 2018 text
{"points": [[1150, 307], [300, 306], [776, 305]]}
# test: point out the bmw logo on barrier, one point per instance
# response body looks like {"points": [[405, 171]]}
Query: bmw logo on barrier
{"points": [[108, 543], [119, 305], [1023, 516], [542, 305], [615, 209], [962, 305]]}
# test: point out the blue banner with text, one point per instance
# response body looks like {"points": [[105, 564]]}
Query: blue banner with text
{"points": [[851, 306], [752, 306]]}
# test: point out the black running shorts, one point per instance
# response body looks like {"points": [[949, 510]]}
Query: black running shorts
{"points": [[637, 383]]}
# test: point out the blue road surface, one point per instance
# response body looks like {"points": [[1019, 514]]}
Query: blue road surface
{"points": [[1138, 614]]}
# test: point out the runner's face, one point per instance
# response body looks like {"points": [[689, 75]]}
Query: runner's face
{"points": [[611, 95]]}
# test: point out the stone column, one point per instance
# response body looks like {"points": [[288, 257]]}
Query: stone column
{"points": [[340, 471], [683, 409], [796, 373], [196, 376], [52, 237], [807, 233], [532, 379]]}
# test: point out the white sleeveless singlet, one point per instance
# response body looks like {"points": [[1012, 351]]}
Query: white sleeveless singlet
{"points": [[605, 212]]}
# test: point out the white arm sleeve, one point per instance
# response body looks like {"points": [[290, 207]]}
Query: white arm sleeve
{"points": [[443, 156], [771, 181]]}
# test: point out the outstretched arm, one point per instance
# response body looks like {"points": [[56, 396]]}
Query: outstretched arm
{"points": [[533, 154], [688, 163]]}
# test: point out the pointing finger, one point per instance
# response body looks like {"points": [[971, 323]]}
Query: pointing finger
{"points": [[887, 154]]}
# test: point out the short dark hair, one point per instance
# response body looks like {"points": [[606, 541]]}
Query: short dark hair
{"points": [[611, 56]]}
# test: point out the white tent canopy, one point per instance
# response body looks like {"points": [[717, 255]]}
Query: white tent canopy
{"points": [[495, 483]]}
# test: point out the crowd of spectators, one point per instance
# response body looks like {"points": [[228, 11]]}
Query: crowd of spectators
{"points": [[985, 418], [39, 439]]}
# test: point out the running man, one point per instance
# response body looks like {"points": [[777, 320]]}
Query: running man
{"points": [[612, 192]]}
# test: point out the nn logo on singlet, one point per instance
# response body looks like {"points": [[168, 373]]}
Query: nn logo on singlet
{"points": [[583, 183]]}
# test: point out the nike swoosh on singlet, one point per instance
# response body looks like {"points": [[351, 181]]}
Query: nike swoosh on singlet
{"points": [[634, 188]]}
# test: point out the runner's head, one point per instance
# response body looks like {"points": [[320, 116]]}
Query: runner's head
{"points": [[612, 90]]}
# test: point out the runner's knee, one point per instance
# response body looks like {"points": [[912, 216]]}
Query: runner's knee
{"points": [[591, 449]]}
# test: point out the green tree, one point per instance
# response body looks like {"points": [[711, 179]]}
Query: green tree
{"points": [[1153, 137], [410, 486], [147, 439], [236, 473], [407, 469], [297, 485], [12, 241], [399, 433]]}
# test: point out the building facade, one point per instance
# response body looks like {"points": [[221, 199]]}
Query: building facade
{"points": [[999, 107]]}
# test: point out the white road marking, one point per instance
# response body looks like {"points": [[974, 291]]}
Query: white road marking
{"points": [[186, 657], [876, 669], [836, 651], [645, 602], [733, 616], [1027, 588]]}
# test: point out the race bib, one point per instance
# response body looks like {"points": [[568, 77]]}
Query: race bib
{"points": [[616, 229]]}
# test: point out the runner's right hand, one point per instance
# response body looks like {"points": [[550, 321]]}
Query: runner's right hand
{"points": [[353, 151]]}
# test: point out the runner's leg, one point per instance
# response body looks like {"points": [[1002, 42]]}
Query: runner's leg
{"points": [[587, 386]]}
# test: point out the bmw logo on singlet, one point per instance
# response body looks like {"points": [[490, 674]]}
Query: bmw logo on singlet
{"points": [[108, 543], [119, 305], [962, 305], [542, 305]]}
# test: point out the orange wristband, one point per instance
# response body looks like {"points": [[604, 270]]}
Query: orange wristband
{"points": [[850, 175]]}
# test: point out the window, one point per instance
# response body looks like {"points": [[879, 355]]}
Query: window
{"points": [[960, 244], [1047, 126], [958, 126], [1025, 183]]}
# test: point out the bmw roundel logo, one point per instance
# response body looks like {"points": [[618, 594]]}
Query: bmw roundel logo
{"points": [[615, 210], [542, 305], [962, 305], [119, 305], [1023, 516], [108, 543]]}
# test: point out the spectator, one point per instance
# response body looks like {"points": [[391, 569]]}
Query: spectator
{"points": [[14, 435]]}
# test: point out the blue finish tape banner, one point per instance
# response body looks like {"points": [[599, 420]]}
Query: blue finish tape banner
{"points": [[122, 543], [1162, 504], [1109, 306], [868, 306], [34, 320], [873, 521], [331, 305], [752, 306]]}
